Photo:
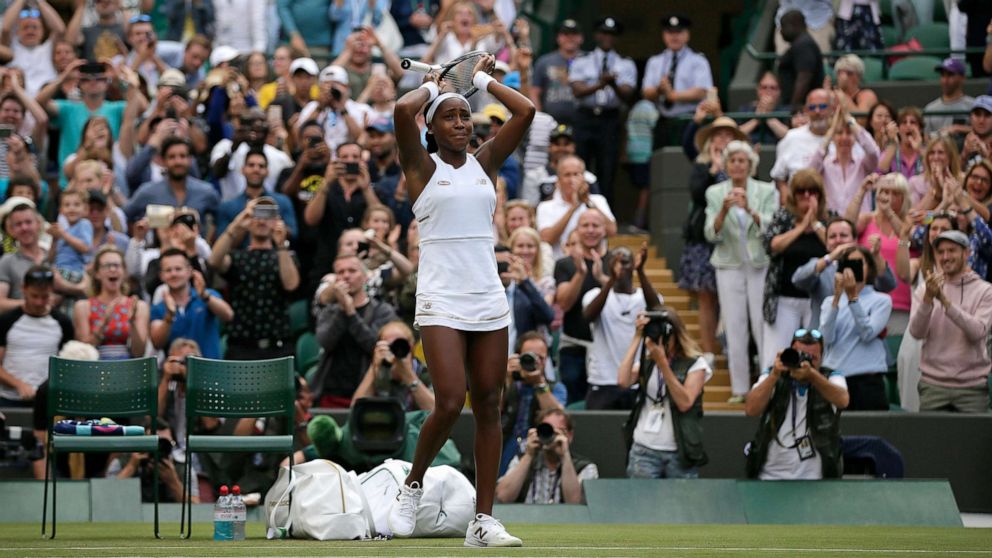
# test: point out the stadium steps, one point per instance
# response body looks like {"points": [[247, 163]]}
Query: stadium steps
{"points": [[718, 388]]}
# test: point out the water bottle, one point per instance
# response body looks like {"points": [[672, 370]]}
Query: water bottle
{"points": [[222, 516], [239, 514]]}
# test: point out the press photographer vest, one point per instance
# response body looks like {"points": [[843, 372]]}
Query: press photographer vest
{"points": [[578, 462], [686, 425], [822, 421]]}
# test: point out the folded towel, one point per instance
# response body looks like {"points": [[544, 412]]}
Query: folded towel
{"points": [[101, 427]]}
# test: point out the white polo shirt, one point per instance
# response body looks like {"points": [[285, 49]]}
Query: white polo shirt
{"points": [[549, 212]]}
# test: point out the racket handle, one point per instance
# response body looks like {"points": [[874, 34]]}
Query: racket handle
{"points": [[415, 66]]}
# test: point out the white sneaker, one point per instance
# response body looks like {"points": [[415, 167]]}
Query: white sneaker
{"points": [[486, 531], [403, 515]]}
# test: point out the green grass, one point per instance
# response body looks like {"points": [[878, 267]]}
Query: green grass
{"points": [[695, 541]]}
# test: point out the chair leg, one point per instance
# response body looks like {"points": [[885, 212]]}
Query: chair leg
{"points": [[155, 488], [44, 503], [186, 516], [55, 493]]}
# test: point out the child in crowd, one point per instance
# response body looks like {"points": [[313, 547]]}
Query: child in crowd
{"points": [[73, 243]]}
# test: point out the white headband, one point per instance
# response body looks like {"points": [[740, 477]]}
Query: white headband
{"points": [[442, 98]]}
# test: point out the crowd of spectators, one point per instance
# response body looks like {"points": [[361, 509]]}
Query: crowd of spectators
{"points": [[178, 175]]}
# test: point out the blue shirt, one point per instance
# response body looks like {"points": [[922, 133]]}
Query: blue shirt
{"points": [[232, 207], [194, 321], [851, 333], [588, 68], [200, 196], [692, 70], [66, 257]]}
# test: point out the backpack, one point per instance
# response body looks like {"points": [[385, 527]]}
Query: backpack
{"points": [[319, 500], [446, 508]]}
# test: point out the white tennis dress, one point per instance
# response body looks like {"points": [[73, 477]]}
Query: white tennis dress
{"points": [[458, 285]]}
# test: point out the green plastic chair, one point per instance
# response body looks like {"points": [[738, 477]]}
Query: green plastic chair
{"points": [[236, 389], [874, 70], [95, 389], [299, 317], [307, 352], [890, 36], [914, 68], [930, 35]]}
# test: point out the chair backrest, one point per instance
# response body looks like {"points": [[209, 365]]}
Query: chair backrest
{"points": [[116, 388], [914, 68], [240, 388]]}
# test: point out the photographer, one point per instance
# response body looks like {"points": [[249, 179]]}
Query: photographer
{"points": [[548, 472], [798, 434], [170, 487], [663, 432], [172, 402], [394, 372], [853, 320], [343, 119], [527, 393]]}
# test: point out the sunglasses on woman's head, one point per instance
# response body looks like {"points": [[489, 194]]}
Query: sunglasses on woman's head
{"points": [[814, 333], [29, 14]]}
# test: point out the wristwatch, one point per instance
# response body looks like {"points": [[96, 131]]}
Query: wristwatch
{"points": [[543, 388]]}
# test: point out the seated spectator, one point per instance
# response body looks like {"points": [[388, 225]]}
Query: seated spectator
{"points": [[907, 159], [346, 330], [608, 310], [178, 188], [548, 471], [978, 142], [954, 362], [850, 71], [858, 26], [764, 131], [529, 310], [342, 118], [795, 234], [110, 320], [737, 210], [255, 170], [517, 214], [667, 400], [529, 391], [809, 447], [259, 278], [401, 377], [559, 216], [952, 97], [227, 158], [31, 49], [575, 275], [853, 320], [19, 153], [845, 168], [818, 274], [801, 66], [539, 184], [796, 150], [188, 308]]}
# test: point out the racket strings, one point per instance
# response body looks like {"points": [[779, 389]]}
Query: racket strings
{"points": [[460, 75]]}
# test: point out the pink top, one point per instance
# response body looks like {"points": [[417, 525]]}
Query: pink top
{"points": [[901, 296], [842, 182]]}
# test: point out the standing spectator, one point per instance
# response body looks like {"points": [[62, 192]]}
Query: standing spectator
{"points": [[384, 169], [559, 216], [195, 55], [845, 169], [255, 170], [241, 24], [852, 333], [978, 143], [178, 189], [955, 360], [102, 39], [346, 329], [110, 320], [99, 215], [550, 91], [608, 310], [293, 91], [908, 133], [762, 131], [941, 162], [415, 21], [539, 183], [819, 17], [201, 16], [737, 211], [850, 72], [228, 156], [15, 106], [801, 67], [458, 32], [858, 26], [602, 81], [342, 118], [188, 308], [795, 234], [306, 24], [952, 98], [282, 60], [877, 124], [31, 50], [301, 184], [677, 79], [798, 147], [260, 278], [356, 59]]}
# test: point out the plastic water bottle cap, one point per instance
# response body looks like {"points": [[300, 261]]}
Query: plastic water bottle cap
{"points": [[236, 489], [223, 490]]}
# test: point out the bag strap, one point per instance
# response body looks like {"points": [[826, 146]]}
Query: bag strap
{"points": [[273, 532], [366, 509]]}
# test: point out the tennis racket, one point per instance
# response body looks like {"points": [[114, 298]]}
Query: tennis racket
{"points": [[457, 73]]}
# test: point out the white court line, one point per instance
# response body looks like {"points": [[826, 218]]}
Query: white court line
{"points": [[332, 547]]}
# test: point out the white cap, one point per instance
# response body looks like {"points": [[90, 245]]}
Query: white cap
{"points": [[502, 67], [334, 73], [305, 64], [222, 54]]}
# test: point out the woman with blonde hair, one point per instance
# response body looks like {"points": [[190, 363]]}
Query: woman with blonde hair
{"points": [[525, 243], [941, 160], [110, 320], [520, 213], [796, 234]]}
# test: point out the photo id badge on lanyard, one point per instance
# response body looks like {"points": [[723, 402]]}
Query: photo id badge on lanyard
{"points": [[804, 445], [654, 418]]}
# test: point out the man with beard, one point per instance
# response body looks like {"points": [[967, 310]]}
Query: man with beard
{"points": [[800, 69], [178, 189], [978, 143], [539, 183], [228, 156], [384, 169], [255, 170], [797, 148], [300, 184]]}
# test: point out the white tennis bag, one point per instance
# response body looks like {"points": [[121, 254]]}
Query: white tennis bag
{"points": [[327, 504], [447, 507]]}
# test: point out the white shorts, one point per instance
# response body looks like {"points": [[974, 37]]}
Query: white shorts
{"points": [[465, 312]]}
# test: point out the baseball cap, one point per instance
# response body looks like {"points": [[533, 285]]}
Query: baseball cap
{"points": [[569, 26], [501, 67], [562, 131], [222, 54], [382, 124], [305, 64], [11, 203], [675, 22], [609, 25], [497, 111], [952, 65], [334, 73], [983, 102], [97, 196], [956, 237], [172, 78]]}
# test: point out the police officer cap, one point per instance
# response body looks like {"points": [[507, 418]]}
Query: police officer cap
{"points": [[609, 25], [675, 22]]}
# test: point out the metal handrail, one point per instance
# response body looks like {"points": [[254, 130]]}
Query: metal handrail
{"points": [[758, 55], [744, 116]]}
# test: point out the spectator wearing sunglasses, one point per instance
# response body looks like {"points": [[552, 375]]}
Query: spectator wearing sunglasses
{"points": [[23, 31], [101, 39], [799, 404], [799, 146]]}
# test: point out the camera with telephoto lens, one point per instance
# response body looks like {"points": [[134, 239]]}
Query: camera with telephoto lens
{"points": [[336, 94], [400, 348], [529, 362], [545, 434], [659, 327], [18, 446], [793, 358]]}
